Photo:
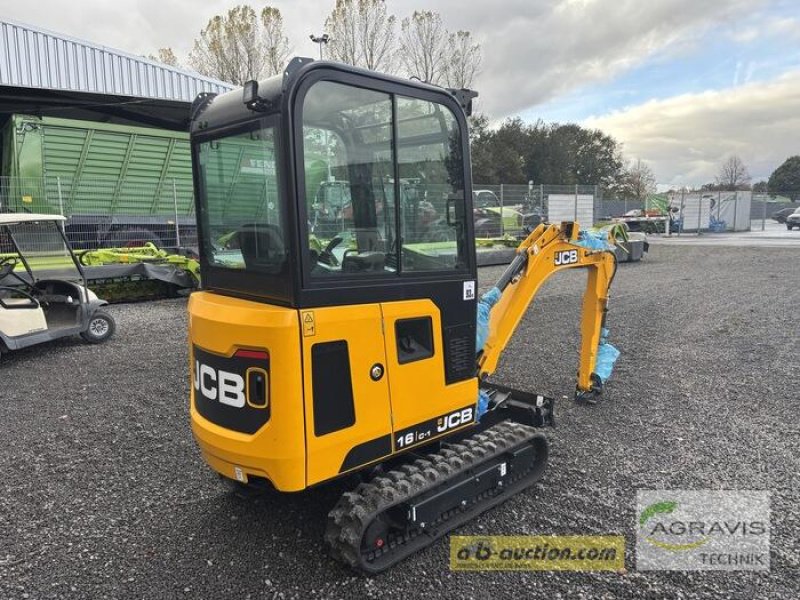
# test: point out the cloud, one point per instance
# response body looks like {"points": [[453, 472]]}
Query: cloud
{"points": [[143, 26], [534, 50], [542, 53], [685, 138], [765, 26]]}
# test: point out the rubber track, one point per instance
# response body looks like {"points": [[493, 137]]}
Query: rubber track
{"points": [[354, 512]]}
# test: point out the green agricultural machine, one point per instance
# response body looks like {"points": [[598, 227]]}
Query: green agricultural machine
{"points": [[118, 185]]}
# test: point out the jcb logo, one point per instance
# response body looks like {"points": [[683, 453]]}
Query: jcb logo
{"points": [[224, 386], [455, 419], [566, 257]]}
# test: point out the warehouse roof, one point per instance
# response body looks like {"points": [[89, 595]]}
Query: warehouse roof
{"points": [[44, 73], [36, 58]]}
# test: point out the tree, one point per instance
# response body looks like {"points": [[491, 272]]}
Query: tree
{"points": [[785, 179], [478, 125], [637, 182], [733, 175], [241, 45], [463, 60], [545, 153], [275, 41], [362, 34], [760, 187], [569, 154], [498, 155], [423, 47], [165, 56]]}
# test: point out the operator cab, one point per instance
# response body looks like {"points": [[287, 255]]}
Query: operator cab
{"points": [[331, 185]]}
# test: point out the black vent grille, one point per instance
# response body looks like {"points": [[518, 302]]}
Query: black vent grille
{"points": [[459, 345]]}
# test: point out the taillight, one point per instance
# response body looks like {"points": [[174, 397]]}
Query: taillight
{"points": [[254, 354]]}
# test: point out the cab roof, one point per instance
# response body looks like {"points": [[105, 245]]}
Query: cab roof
{"points": [[210, 111]]}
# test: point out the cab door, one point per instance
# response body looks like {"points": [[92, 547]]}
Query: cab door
{"points": [[346, 391], [424, 405]]}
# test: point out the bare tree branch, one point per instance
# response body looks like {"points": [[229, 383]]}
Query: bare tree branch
{"points": [[165, 56], [423, 41], [733, 174], [463, 60], [362, 34], [276, 43], [239, 45], [637, 181]]}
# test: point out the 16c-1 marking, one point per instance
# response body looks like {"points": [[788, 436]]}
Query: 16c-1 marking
{"points": [[421, 432]]}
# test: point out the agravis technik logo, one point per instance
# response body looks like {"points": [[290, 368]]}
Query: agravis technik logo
{"points": [[702, 530]]}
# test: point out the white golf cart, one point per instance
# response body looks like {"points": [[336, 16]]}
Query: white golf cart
{"points": [[43, 292]]}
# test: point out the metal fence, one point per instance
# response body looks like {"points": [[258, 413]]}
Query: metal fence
{"points": [[693, 212], [766, 208], [524, 205], [587, 204], [107, 212]]}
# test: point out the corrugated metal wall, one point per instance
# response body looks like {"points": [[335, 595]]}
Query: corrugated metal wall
{"points": [[31, 57]]}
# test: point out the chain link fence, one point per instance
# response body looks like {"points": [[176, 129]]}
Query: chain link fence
{"points": [[772, 208], [691, 212], [510, 209], [107, 212]]}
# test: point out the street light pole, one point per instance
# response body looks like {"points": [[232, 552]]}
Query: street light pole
{"points": [[320, 39]]}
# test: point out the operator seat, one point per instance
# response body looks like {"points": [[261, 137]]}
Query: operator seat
{"points": [[262, 247]]}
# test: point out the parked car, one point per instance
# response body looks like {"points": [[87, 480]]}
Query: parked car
{"points": [[780, 215], [793, 220]]}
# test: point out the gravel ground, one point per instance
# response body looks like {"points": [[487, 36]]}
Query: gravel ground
{"points": [[103, 493]]}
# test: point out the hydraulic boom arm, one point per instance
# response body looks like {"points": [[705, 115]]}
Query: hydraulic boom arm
{"points": [[548, 249]]}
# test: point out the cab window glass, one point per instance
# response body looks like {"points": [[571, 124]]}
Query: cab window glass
{"points": [[348, 165], [241, 202], [431, 177]]}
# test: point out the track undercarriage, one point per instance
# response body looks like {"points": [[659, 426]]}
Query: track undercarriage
{"points": [[409, 507]]}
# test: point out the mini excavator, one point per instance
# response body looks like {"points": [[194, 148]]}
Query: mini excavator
{"points": [[362, 347]]}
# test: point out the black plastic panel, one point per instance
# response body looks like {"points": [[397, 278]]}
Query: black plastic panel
{"points": [[367, 452], [213, 375], [332, 387]]}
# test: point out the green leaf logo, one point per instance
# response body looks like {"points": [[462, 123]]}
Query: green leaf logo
{"points": [[655, 509], [665, 508]]}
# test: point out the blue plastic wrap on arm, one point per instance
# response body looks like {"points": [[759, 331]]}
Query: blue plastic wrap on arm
{"points": [[594, 240], [483, 404], [606, 357], [485, 304]]}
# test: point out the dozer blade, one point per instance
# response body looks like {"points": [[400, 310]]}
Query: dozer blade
{"points": [[399, 512]]}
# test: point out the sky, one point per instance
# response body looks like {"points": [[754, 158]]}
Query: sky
{"points": [[682, 84]]}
